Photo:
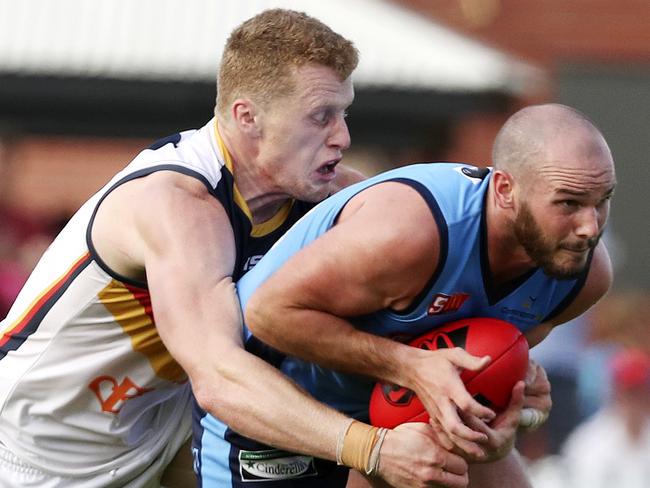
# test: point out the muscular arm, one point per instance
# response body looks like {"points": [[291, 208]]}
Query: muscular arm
{"points": [[380, 254], [182, 237]]}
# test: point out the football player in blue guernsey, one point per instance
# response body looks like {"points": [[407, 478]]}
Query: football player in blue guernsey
{"points": [[416, 247]]}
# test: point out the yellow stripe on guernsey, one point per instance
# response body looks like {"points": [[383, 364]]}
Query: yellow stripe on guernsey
{"points": [[136, 320], [264, 228]]}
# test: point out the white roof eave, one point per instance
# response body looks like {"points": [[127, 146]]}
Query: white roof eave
{"points": [[182, 40]]}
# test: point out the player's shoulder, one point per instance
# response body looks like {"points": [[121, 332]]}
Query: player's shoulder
{"points": [[597, 284], [453, 169], [446, 177], [193, 152], [455, 191], [390, 197], [171, 198], [600, 276], [407, 228]]}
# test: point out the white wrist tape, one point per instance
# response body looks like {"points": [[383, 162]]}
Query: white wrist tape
{"points": [[532, 418]]}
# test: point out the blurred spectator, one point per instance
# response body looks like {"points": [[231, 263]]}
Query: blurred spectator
{"points": [[12, 273], [623, 318], [620, 320], [612, 449], [12, 277], [23, 240]]}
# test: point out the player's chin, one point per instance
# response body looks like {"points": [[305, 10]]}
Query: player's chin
{"points": [[567, 267]]}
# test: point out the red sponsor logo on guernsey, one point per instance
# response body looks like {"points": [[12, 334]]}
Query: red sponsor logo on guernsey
{"points": [[112, 395], [443, 303]]}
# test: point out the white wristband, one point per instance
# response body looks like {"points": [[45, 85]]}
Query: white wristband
{"points": [[532, 418], [341, 440], [373, 462]]}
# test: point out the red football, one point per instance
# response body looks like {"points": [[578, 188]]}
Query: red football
{"points": [[392, 405]]}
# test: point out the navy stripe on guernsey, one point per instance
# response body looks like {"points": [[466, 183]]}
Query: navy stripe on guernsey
{"points": [[135, 175], [29, 323], [173, 139], [495, 294], [568, 299]]}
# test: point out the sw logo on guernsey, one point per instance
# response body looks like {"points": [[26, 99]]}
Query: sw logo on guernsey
{"points": [[443, 303], [274, 464]]}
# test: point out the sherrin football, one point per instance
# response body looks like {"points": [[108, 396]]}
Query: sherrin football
{"points": [[392, 405]]}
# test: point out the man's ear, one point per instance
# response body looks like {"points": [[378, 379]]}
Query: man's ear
{"points": [[246, 116], [504, 189]]}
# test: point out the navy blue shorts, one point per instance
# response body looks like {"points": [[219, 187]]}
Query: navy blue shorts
{"points": [[223, 458]]}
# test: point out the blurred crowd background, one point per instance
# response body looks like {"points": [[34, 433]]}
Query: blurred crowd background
{"points": [[85, 85]]}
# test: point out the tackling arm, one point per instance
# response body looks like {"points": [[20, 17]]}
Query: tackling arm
{"points": [[187, 248]]}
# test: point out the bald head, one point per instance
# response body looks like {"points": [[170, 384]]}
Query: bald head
{"points": [[553, 179], [539, 134]]}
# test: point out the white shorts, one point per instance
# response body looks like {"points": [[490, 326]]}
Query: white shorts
{"points": [[15, 473]]}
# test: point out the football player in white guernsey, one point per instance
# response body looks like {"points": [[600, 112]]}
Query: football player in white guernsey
{"points": [[378, 256], [134, 301]]}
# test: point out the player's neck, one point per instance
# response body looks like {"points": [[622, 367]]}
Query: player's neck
{"points": [[507, 259], [257, 190], [254, 186], [265, 206]]}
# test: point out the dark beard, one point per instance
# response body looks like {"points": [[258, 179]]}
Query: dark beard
{"points": [[530, 236]]}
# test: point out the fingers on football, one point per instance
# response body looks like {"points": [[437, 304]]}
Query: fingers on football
{"points": [[475, 423], [518, 395], [440, 435], [531, 372], [510, 417], [539, 397], [537, 382], [516, 399], [472, 448], [542, 373], [453, 424], [464, 360]]}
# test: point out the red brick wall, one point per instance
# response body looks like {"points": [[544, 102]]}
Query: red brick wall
{"points": [[53, 176], [548, 31]]}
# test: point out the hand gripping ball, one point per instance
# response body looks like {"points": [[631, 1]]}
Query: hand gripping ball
{"points": [[392, 405]]}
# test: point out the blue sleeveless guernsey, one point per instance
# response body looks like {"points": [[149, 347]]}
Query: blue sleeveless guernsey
{"points": [[459, 288]]}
